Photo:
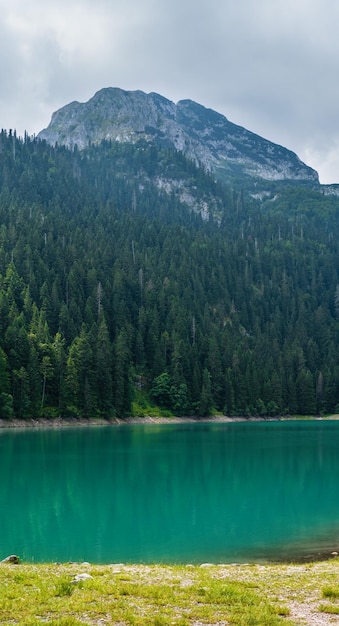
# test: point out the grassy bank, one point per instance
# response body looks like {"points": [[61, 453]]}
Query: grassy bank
{"points": [[263, 595]]}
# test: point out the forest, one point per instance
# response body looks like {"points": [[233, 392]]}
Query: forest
{"points": [[119, 298]]}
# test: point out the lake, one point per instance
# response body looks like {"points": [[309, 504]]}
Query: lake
{"points": [[181, 493]]}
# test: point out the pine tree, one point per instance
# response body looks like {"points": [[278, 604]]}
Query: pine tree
{"points": [[103, 370], [122, 385], [206, 398]]}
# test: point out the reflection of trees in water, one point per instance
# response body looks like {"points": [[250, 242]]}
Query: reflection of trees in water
{"points": [[160, 492]]}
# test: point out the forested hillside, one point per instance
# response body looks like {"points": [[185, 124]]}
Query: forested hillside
{"points": [[129, 277]]}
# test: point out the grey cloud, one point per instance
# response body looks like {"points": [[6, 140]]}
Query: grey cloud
{"points": [[269, 65]]}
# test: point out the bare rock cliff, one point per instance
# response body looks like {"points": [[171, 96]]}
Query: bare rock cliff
{"points": [[202, 134]]}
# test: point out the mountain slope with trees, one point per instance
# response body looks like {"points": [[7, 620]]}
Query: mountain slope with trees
{"points": [[129, 276]]}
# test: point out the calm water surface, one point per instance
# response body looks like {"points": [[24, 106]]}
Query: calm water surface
{"points": [[171, 493]]}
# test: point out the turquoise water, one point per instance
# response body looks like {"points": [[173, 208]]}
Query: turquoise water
{"points": [[171, 493]]}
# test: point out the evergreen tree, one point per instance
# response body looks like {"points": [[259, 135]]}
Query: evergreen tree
{"points": [[103, 370], [206, 398]]}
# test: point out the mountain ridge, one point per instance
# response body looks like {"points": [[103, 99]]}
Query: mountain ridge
{"points": [[203, 135]]}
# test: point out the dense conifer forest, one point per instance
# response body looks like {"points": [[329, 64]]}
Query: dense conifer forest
{"points": [[116, 295]]}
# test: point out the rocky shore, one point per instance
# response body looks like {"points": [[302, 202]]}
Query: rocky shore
{"points": [[72, 422]]}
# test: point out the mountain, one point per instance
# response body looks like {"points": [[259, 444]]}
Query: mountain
{"points": [[133, 281], [231, 152]]}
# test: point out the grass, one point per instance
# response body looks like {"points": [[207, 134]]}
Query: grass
{"points": [[330, 592], [140, 595]]}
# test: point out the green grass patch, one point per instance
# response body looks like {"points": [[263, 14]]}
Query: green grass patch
{"points": [[144, 595], [331, 592], [64, 587], [140, 596], [329, 608]]}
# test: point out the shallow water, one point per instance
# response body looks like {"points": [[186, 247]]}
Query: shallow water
{"points": [[171, 493]]}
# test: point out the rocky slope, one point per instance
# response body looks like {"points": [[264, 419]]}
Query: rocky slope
{"points": [[205, 136]]}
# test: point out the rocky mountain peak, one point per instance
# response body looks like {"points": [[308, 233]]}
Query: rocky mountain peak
{"points": [[202, 134]]}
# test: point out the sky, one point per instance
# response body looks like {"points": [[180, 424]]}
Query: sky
{"points": [[268, 65]]}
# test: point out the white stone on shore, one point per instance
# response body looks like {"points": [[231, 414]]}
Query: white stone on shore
{"points": [[79, 577]]}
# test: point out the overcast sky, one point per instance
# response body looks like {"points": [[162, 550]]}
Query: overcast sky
{"points": [[268, 65]]}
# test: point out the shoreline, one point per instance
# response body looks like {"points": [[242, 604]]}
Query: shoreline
{"points": [[58, 423], [73, 422], [251, 593]]}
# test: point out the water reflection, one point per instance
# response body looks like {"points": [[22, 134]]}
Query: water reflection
{"points": [[227, 492]]}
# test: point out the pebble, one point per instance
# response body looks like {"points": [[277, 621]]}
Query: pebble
{"points": [[79, 577]]}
